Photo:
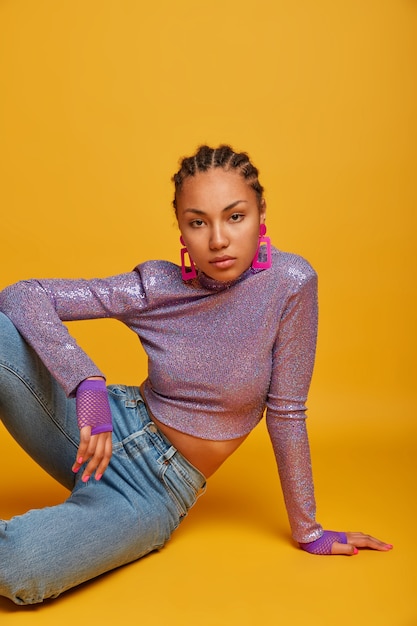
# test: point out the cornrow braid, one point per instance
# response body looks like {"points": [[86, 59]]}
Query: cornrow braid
{"points": [[224, 156]]}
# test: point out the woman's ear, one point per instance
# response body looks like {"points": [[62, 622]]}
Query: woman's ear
{"points": [[262, 211]]}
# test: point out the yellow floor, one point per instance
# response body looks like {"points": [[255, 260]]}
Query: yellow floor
{"points": [[98, 101], [232, 561]]}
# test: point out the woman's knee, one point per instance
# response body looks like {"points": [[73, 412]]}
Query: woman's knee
{"points": [[18, 361], [12, 343]]}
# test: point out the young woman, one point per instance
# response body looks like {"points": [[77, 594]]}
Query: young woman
{"points": [[228, 334]]}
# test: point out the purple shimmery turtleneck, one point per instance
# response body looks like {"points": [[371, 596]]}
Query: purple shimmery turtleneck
{"points": [[219, 353]]}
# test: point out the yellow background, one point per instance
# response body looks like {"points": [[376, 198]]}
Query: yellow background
{"points": [[98, 100]]}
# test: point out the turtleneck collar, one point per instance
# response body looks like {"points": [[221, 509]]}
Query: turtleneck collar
{"points": [[219, 285]]}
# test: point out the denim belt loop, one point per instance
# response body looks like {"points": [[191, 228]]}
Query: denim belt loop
{"points": [[168, 454], [133, 397]]}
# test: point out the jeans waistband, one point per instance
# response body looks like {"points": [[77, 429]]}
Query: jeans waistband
{"points": [[167, 451]]}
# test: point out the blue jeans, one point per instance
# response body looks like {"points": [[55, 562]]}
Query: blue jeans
{"points": [[144, 494]]}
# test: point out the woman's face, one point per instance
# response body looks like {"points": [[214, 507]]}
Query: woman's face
{"points": [[219, 216]]}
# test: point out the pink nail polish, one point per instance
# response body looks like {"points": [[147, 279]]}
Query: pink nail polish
{"points": [[80, 460], [85, 479], [356, 551], [98, 476]]}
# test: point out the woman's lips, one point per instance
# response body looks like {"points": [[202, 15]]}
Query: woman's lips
{"points": [[223, 262]]}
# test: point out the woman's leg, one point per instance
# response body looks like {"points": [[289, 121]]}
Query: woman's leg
{"points": [[146, 490], [143, 495], [34, 408]]}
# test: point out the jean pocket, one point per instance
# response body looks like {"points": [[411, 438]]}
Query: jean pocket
{"points": [[181, 491]]}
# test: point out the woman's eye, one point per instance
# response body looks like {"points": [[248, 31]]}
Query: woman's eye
{"points": [[197, 223], [236, 217]]}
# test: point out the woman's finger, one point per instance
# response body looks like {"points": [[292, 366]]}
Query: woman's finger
{"points": [[105, 455], [82, 452], [361, 540], [99, 452], [344, 548]]}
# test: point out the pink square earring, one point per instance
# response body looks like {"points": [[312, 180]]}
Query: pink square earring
{"points": [[262, 260], [188, 272]]}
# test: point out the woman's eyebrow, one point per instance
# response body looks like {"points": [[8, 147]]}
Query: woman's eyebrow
{"points": [[227, 208]]}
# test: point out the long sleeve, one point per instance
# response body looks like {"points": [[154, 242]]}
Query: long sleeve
{"points": [[38, 307], [293, 361]]}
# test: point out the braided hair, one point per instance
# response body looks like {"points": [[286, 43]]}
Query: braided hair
{"points": [[224, 156]]}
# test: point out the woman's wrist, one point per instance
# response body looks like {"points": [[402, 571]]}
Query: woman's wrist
{"points": [[323, 545]]}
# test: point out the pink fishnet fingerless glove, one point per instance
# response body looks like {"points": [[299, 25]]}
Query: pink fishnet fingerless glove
{"points": [[92, 405], [323, 545]]}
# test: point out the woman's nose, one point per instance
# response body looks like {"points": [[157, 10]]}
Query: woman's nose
{"points": [[218, 238]]}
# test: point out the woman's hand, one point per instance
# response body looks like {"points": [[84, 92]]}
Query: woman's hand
{"points": [[95, 450], [359, 540], [333, 542], [95, 424]]}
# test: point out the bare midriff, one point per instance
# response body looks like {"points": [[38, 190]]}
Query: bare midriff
{"points": [[205, 454]]}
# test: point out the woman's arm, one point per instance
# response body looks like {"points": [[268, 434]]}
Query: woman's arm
{"points": [[293, 362], [38, 307], [292, 369]]}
